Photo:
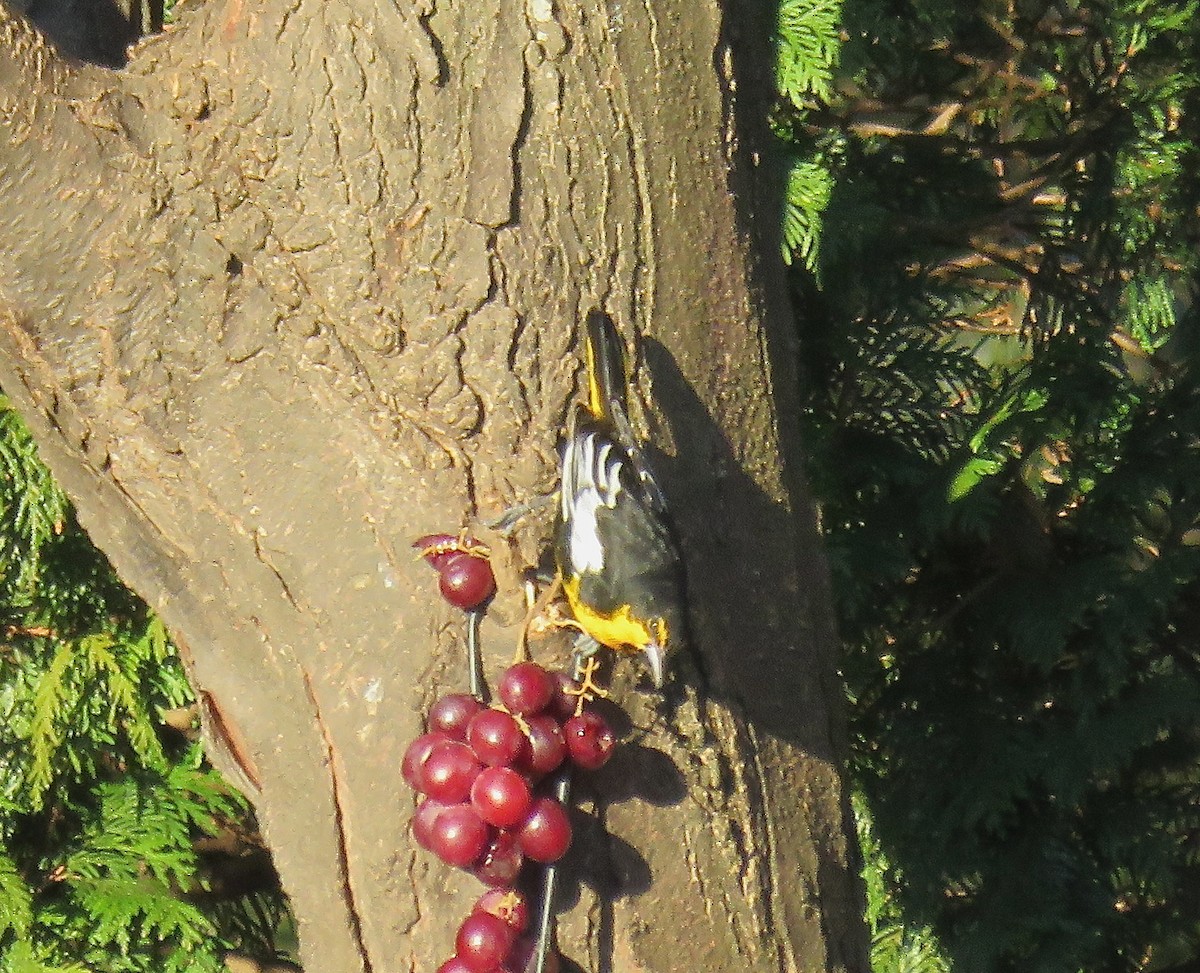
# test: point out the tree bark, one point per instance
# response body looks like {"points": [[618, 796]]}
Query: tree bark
{"points": [[302, 283]]}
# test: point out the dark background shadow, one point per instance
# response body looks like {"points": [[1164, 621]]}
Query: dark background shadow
{"points": [[96, 31]]}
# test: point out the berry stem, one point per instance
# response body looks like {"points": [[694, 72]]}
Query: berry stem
{"points": [[545, 918], [474, 659]]}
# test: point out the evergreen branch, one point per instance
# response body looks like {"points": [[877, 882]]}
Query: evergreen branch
{"points": [[28, 957], [51, 697], [96, 653], [16, 902]]}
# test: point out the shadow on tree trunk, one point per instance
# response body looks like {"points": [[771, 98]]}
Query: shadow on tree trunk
{"points": [[96, 31]]}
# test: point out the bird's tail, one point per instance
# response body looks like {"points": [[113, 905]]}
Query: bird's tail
{"points": [[608, 379], [608, 396]]}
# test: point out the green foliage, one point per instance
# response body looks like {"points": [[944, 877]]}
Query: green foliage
{"points": [[32, 508], [894, 947], [101, 804], [809, 184], [1003, 411], [129, 861], [806, 48], [806, 52]]}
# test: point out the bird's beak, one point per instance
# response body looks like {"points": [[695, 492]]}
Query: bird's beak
{"points": [[654, 659]]}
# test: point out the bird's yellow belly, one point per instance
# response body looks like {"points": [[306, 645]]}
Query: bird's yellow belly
{"points": [[620, 630]]}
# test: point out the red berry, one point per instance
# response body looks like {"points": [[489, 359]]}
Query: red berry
{"points": [[454, 965], [449, 771], [458, 836], [428, 811], [545, 834], [451, 714], [590, 740], [526, 688], [547, 748], [437, 548], [483, 941], [495, 737], [501, 861], [566, 696], [501, 796], [466, 581], [413, 764], [507, 904]]}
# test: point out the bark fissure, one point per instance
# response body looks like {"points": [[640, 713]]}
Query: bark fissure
{"points": [[222, 732], [770, 878], [338, 794]]}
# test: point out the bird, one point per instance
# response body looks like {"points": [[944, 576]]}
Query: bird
{"points": [[616, 554]]}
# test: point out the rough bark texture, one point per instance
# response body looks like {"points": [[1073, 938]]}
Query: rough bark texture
{"points": [[303, 282]]}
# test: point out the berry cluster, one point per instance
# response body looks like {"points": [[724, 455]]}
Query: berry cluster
{"points": [[479, 770]]}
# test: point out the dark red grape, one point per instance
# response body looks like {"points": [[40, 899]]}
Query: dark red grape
{"points": [[546, 748], [466, 581], [545, 835], [566, 696], [507, 904], [449, 771], [483, 941], [496, 738], [454, 965], [458, 836], [437, 548], [412, 766], [590, 740], [501, 796], [451, 714], [526, 688], [501, 861], [427, 812]]}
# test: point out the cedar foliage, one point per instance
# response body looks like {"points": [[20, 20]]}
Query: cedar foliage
{"points": [[995, 285], [101, 804]]}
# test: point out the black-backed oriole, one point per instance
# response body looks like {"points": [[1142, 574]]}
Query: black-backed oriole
{"points": [[617, 558]]}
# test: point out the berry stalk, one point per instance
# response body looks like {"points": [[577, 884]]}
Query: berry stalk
{"points": [[545, 930], [474, 657]]}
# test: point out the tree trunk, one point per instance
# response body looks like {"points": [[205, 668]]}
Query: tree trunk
{"points": [[303, 282]]}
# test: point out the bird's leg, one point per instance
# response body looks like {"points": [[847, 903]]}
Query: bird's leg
{"points": [[541, 616], [508, 520]]}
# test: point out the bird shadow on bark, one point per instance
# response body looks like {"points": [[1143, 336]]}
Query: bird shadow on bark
{"points": [[765, 643], [755, 644]]}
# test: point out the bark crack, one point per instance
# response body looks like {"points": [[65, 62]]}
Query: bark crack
{"points": [[768, 878], [225, 736], [338, 793], [261, 554]]}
